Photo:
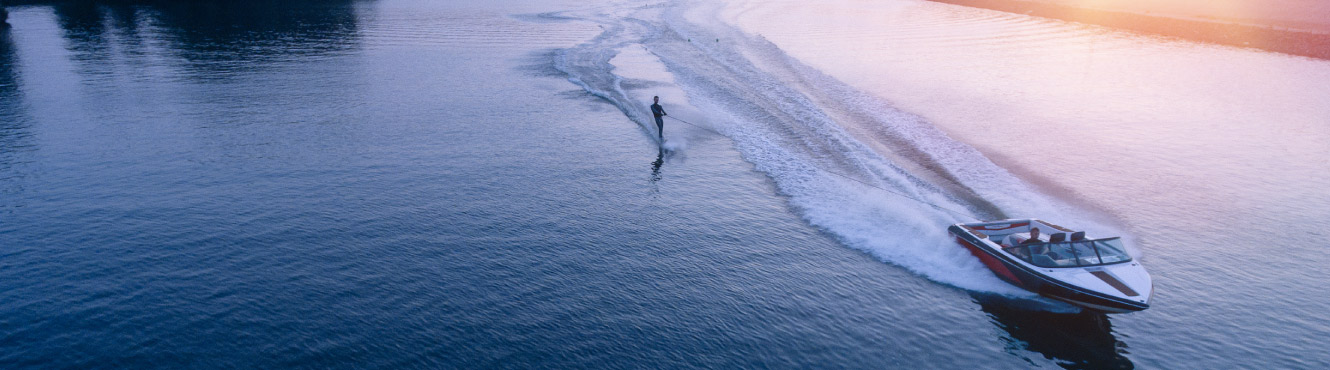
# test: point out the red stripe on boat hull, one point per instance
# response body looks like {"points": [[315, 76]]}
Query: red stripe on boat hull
{"points": [[993, 263]]}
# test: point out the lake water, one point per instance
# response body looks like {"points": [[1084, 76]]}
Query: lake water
{"points": [[410, 183]]}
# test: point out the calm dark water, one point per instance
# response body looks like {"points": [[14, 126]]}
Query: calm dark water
{"points": [[417, 184]]}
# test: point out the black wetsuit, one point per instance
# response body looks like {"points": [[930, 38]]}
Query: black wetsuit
{"points": [[658, 111]]}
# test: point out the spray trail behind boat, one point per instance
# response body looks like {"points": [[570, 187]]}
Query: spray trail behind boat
{"points": [[827, 147]]}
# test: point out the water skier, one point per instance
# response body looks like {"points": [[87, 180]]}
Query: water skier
{"points": [[658, 111]]}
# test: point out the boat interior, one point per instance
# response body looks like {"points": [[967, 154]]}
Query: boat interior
{"points": [[998, 232], [1053, 246]]}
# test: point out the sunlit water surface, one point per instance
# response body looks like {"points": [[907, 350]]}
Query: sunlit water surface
{"points": [[1217, 158]]}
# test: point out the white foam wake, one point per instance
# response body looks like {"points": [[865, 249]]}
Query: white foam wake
{"points": [[809, 132]]}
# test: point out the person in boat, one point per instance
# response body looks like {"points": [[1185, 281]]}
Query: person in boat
{"points": [[1017, 240], [659, 111], [1035, 247], [1046, 250], [1034, 237]]}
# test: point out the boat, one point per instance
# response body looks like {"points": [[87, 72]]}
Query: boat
{"points": [[1066, 265]]}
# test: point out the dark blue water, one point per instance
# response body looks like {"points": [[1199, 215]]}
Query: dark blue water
{"points": [[416, 184]]}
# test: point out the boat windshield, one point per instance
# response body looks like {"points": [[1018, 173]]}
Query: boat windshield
{"points": [[1072, 254]]}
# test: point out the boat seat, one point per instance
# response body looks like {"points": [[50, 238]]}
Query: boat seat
{"points": [[1058, 237], [1079, 235]]}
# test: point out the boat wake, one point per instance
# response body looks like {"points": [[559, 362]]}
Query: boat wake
{"points": [[849, 163]]}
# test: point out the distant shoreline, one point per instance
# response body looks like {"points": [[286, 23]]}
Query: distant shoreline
{"points": [[1288, 41]]}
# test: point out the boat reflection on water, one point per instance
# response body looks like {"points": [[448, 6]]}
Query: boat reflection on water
{"points": [[1075, 339]]}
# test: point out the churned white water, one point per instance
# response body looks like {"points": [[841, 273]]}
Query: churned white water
{"points": [[1213, 159], [879, 179]]}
